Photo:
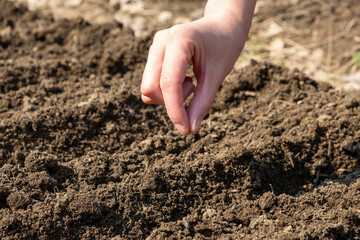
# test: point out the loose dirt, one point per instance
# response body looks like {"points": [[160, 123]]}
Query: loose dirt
{"points": [[83, 158], [320, 37]]}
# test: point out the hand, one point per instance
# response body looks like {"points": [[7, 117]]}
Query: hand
{"points": [[212, 44]]}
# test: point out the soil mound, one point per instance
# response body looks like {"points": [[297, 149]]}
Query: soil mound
{"points": [[82, 157]]}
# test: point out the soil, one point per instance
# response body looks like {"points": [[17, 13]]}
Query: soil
{"points": [[315, 24], [319, 37], [83, 158]]}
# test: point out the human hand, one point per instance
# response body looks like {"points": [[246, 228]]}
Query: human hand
{"points": [[212, 44]]}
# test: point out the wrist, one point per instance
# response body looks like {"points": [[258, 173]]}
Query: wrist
{"points": [[234, 15]]}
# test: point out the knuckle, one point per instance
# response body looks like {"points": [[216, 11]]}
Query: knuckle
{"points": [[182, 32], [177, 32], [174, 29], [166, 82], [159, 35]]}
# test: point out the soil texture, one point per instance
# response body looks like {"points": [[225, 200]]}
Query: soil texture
{"points": [[81, 157]]}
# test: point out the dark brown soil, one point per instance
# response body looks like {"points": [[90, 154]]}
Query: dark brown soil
{"points": [[83, 158]]}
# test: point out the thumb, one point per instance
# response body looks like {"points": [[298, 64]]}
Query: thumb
{"points": [[201, 104]]}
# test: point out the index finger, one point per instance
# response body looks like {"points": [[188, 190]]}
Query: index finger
{"points": [[177, 56]]}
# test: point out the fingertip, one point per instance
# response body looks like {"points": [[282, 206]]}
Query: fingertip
{"points": [[198, 109], [182, 129], [146, 91], [146, 99], [195, 126], [200, 106]]}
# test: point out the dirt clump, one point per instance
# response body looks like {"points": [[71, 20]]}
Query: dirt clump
{"points": [[277, 157]]}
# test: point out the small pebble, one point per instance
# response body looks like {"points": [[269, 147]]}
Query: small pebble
{"points": [[165, 16]]}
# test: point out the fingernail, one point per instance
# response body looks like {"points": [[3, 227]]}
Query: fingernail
{"points": [[181, 129], [196, 125]]}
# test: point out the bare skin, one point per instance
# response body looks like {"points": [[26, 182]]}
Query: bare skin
{"points": [[212, 44]]}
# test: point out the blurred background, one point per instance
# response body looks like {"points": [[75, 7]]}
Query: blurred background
{"points": [[320, 37]]}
